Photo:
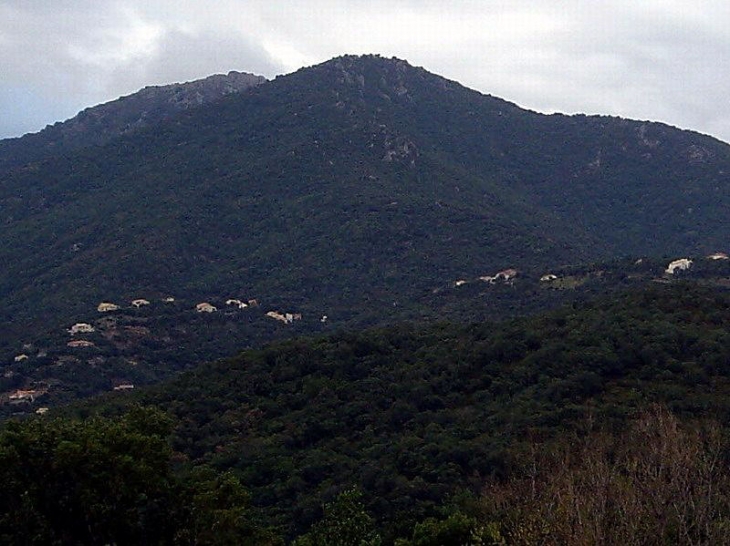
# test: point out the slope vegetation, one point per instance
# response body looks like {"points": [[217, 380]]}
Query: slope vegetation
{"points": [[413, 416], [350, 187], [103, 123]]}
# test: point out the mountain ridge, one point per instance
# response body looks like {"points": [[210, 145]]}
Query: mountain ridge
{"points": [[349, 189], [102, 123]]}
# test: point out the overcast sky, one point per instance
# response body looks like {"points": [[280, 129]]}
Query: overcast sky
{"points": [[663, 60]]}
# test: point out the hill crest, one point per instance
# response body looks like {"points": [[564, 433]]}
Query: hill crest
{"points": [[98, 125]]}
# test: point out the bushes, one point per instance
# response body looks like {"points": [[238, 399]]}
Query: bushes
{"points": [[659, 482]]}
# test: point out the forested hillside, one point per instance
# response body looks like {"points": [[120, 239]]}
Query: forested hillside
{"points": [[128, 345], [358, 189], [103, 123], [421, 420]]}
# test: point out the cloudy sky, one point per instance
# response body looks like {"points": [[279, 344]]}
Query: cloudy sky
{"points": [[664, 60]]}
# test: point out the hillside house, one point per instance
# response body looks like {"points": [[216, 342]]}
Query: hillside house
{"points": [[79, 343], [24, 396], [124, 387], [20, 358], [682, 264], [460, 282], [718, 256], [506, 275], [286, 318], [237, 303], [277, 316], [205, 307], [548, 277], [169, 299], [105, 307], [81, 328], [139, 303]]}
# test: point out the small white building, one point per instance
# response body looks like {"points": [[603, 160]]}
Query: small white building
{"points": [[277, 316], [124, 387], [23, 395], [105, 307], [286, 318], [682, 264], [81, 328], [506, 275], [205, 307], [79, 343]]}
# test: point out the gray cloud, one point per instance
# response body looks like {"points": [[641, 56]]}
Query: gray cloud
{"points": [[655, 59], [86, 53], [184, 57]]}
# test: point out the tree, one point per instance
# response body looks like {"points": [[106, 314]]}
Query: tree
{"points": [[88, 482], [110, 481], [215, 511], [457, 529], [344, 523]]}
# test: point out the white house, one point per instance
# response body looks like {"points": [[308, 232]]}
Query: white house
{"points": [[81, 328], [682, 264], [205, 307]]}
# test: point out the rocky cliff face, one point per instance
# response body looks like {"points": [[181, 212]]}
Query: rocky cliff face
{"points": [[100, 124]]}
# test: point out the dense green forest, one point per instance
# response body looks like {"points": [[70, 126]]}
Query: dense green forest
{"points": [[410, 434], [138, 346]]}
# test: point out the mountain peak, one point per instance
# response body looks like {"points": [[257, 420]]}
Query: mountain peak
{"points": [[100, 124], [196, 92]]}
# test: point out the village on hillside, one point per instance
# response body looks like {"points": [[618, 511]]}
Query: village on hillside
{"points": [[120, 345]]}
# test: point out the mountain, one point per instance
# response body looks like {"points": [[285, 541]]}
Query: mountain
{"points": [[358, 189], [100, 124]]}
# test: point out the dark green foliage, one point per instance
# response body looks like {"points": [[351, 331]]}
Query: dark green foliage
{"points": [[91, 482], [360, 189], [455, 529], [215, 511], [344, 523], [414, 415], [418, 419], [103, 123], [102, 481]]}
